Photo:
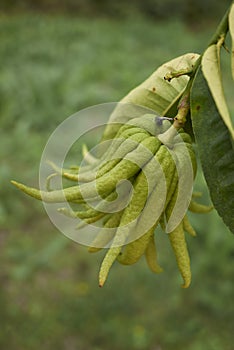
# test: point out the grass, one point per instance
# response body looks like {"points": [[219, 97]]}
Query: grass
{"points": [[52, 67]]}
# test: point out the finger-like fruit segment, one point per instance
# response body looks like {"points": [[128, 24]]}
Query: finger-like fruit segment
{"points": [[133, 251], [105, 236], [179, 246], [188, 227], [199, 208], [107, 262], [151, 256]]}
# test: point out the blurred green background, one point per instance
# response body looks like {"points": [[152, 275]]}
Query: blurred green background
{"points": [[58, 57]]}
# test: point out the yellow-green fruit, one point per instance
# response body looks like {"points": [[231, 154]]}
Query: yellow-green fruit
{"points": [[178, 243], [131, 212], [107, 262], [188, 227], [199, 208], [134, 250], [151, 256], [104, 236], [176, 236]]}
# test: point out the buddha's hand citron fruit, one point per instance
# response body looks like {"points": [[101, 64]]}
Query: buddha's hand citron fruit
{"points": [[142, 153]]}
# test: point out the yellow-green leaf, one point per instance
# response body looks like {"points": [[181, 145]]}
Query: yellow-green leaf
{"points": [[231, 29], [155, 93], [212, 73], [162, 91]]}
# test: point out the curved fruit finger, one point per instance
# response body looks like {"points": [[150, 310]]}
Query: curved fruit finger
{"points": [[179, 246], [151, 256]]}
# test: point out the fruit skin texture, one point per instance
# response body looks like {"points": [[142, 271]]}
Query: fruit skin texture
{"points": [[132, 155], [172, 161], [178, 243], [151, 256], [135, 249]]}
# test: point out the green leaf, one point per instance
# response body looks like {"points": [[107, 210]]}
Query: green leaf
{"points": [[212, 73], [162, 92], [155, 93], [231, 29], [215, 148]]}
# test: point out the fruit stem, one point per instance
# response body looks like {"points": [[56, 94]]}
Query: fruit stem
{"points": [[176, 74], [183, 109], [167, 137]]}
